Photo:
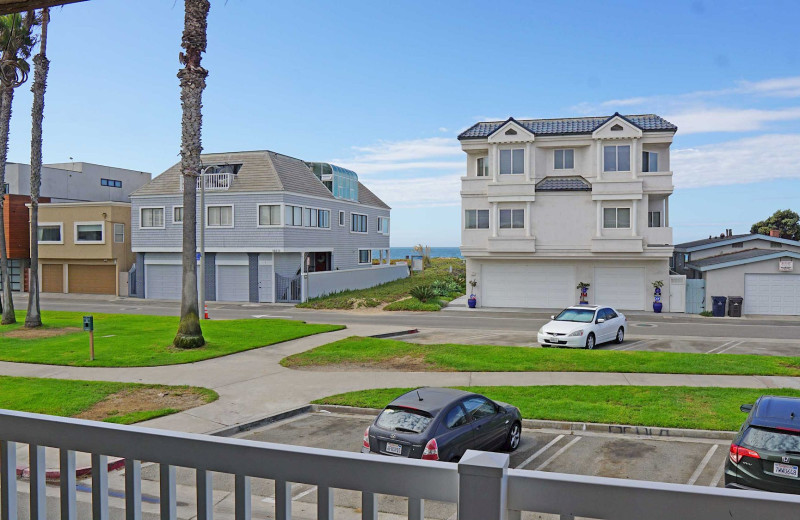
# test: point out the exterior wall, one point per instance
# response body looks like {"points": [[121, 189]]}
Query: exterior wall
{"points": [[563, 220], [76, 182], [16, 222], [287, 264], [729, 281], [327, 282]]}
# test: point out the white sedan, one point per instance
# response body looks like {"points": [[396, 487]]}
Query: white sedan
{"points": [[583, 326]]}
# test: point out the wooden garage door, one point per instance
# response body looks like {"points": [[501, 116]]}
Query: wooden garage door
{"points": [[52, 278], [92, 279]]}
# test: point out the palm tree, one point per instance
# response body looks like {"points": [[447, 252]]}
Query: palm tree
{"points": [[193, 80], [33, 318], [16, 43]]}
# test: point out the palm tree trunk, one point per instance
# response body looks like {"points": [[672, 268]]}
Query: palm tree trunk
{"points": [[6, 97], [193, 80], [33, 318]]}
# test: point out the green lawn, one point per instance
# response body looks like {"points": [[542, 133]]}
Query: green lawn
{"points": [[393, 291], [68, 398], [490, 358], [668, 407], [135, 340]]}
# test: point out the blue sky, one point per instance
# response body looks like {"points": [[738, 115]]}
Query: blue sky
{"points": [[385, 87]]}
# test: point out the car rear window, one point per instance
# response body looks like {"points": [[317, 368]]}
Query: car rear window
{"points": [[404, 420], [772, 440]]}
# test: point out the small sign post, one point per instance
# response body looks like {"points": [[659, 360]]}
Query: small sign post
{"points": [[88, 325]]}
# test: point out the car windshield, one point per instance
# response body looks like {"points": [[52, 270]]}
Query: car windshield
{"points": [[403, 420], [579, 315], [772, 440]]}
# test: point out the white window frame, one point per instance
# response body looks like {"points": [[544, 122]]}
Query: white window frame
{"points": [[281, 215], [563, 158], [51, 224], [366, 220], [650, 219], [646, 166], [173, 215], [511, 150], [163, 217], [616, 217], [511, 217], [102, 240], [311, 210], [489, 219], [369, 262], [383, 224], [342, 218], [616, 158], [478, 166], [115, 233], [233, 215], [286, 222]]}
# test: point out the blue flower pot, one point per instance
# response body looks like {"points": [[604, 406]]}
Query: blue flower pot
{"points": [[472, 301], [657, 307]]}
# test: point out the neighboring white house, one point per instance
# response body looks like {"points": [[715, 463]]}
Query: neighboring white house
{"points": [[549, 203]]}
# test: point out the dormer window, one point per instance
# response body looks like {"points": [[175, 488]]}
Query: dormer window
{"points": [[511, 131], [564, 159], [617, 158], [616, 128], [223, 168], [512, 162]]}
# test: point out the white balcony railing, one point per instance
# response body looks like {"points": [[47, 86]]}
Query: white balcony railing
{"points": [[214, 181], [481, 483]]}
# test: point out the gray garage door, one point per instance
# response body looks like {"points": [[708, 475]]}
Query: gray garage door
{"points": [[777, 294], [233, 283], [162, 282]]}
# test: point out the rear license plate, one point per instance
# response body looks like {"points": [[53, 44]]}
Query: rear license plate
{"points": [[785, 470], [398, 450]]}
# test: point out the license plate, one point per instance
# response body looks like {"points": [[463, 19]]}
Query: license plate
{"points": [[785, 470], [398, 450]]}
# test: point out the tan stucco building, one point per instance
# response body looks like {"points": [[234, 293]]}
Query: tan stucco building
{"points": [[85, 247]]}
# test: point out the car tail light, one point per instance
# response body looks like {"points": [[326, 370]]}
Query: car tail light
{"points": [[366, 438], [431, 451], [737, 452]]}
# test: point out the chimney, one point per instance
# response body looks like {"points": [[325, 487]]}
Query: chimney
{"points": [[730, 232], [775, 233]]}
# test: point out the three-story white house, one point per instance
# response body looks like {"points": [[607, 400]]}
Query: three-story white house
{"points": [[270, 220], [550, 203]]}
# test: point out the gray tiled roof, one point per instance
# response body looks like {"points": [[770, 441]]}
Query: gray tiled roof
{"points": [[569, 126], [706, 241], [261, 170], [732, 257], [563, 184]]}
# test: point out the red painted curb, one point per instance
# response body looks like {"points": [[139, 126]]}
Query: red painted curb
{"points": [[55, 474]]}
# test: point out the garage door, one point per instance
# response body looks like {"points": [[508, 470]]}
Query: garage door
{"points": [[619, 287], [233, 283], [513, 284], [53, 278], [772, 294], [162, 281], [91, 279]]}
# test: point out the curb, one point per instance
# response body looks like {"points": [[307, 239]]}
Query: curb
{"points": [[54, 475], [228, 431]]}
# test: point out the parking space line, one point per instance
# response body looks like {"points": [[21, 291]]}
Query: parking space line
{"points": [[702, 466], [713, 350], [558, 453], [542, 450], [637, 344], [718, 474], [736, 344]]}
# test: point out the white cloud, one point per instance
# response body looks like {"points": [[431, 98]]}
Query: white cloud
{"points": [[753, 159], [777, 87], [419, 192], [729, 119], [408, 150], [442, 129], [367, 168]]}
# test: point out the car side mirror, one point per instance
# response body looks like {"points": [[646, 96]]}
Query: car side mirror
{"points": [[600, 320], [552, 317], [746, 408]]}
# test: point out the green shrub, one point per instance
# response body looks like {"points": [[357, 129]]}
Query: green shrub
{"points": [[423, 293], [707, 314], [413, 304], [444, 287]]}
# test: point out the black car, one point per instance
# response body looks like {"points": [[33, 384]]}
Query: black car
{"points": [[765, 454], [441, 424]]}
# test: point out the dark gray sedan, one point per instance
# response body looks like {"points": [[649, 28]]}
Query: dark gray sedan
{"points": [[441, 424]]}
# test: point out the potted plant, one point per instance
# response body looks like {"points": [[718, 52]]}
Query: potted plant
{"points": [[584, 287], [472, 301], [657, 305]]}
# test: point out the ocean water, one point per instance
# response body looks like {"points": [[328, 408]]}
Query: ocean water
{"points": [[436, 252]]}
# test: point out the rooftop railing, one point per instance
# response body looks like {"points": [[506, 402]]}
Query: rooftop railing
{"points": [[213, 181], [481, 483]]}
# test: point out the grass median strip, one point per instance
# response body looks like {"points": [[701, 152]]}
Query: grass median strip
{"points": [[128, 340], [122, 403], [372, 353], [699, 408]]}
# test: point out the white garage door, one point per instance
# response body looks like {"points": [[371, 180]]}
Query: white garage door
{"points": [[772, 294], [233, 283], [619, 287], [162, 282], [514, 284]]}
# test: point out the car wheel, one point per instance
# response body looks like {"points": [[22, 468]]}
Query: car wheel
{"points": [[514, 435], [620, 335], [590, 341]]}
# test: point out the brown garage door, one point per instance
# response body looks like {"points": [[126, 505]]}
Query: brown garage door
{"points": [[52, 278], [92, 279]]}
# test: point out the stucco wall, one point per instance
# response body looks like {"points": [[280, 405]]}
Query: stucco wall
{"points": [[327, 282], [729, 281]]}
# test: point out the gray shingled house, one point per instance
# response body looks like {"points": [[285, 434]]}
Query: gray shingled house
{"points": [[276, 229]]}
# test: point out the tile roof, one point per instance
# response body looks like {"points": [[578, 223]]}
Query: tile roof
{"points": [[732, 257], [569, 126], [563, 184]]}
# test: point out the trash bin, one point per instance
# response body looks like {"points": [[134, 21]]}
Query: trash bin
{"points": [[735, 306], [718, 306]]}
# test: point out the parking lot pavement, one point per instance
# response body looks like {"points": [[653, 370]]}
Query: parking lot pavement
{"points": [[637, 339]]}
